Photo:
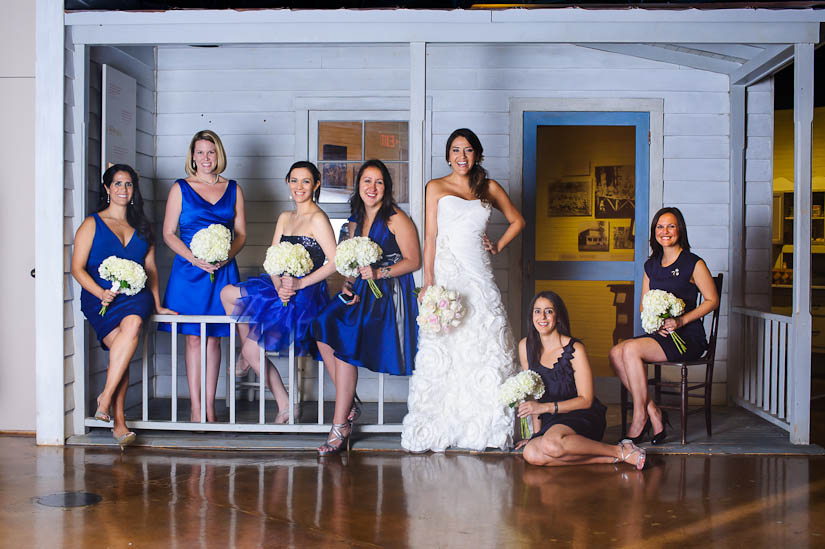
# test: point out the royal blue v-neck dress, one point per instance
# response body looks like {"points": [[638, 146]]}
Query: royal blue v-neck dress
{"points": [[189, 290], [106, 244]]}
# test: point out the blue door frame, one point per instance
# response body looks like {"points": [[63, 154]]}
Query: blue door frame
{"points": [[586, 270]]}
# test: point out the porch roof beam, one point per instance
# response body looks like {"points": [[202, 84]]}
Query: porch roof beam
{"points": [[230, 30], [666, 55], [762, 65]]}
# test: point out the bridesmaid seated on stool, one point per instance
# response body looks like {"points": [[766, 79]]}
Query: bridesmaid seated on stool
{"points": [[568, 420], [120, 229], [258, 301], [672, 268]]}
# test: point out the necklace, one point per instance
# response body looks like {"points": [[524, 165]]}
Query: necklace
{"points": [[217, 177]]}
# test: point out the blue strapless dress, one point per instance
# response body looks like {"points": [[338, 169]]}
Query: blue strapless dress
{"points": [[379, 334], [189, 290], [106, 244], [271, 324]]}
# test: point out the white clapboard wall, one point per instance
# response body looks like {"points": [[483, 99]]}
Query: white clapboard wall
{"points": [[759, 195]]}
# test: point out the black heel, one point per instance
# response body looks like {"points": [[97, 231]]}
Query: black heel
{"points": [[643, 435], [661, 436]]}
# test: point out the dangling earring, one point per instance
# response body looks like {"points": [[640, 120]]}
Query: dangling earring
{"points": [[108, 198], [132, 202]]}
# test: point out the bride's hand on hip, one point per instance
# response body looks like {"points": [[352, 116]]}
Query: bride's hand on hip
{"points": [[489, 246]]}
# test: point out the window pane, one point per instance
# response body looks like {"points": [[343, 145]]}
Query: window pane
{"points": [[401, 181], [339, 141], [337, 180], [386, 140]]}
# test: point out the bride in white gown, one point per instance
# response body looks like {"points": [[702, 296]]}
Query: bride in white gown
{"points": [[454, 388]]}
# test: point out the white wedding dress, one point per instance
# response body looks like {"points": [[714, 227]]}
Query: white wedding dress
{"points": [[453, 396]]}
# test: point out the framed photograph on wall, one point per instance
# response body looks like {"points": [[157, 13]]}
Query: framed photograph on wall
{"points": [[570, 197], [615, 192], [594, 236]]}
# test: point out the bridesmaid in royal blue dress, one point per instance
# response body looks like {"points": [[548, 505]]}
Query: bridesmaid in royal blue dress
{"points": [[568, 419], [119, 228], [194, 203], [260, 299], [358, 329], [673, 268]]}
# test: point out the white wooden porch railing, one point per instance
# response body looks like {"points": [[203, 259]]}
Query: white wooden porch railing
{"points": [[232, 384], [764, 376]]}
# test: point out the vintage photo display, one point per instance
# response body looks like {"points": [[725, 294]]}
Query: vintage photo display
{"points": [[570, 197], [615, 192]]}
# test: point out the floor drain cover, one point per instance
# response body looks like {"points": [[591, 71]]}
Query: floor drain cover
{"points": [[69, 499]]}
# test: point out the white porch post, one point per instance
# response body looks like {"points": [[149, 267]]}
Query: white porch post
{"points": [[800, 374], [49, 284], [418, 157], [736, 253]]}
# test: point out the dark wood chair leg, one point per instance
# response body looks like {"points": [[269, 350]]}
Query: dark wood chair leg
{"points": [[708, 388], [684, 403], [624, 410], [657, 383]]}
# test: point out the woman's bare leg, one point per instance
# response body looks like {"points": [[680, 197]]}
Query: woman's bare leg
{"points": [[122, 342], [252, 355]]}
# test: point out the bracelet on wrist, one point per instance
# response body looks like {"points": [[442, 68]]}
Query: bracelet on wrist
{"points": [[384, 272], [555, 407]]}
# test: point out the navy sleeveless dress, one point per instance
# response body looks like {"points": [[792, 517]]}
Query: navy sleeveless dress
{"points": [[189, 290], [560, 385], [379, 334], [271, 324], [106, 244], [675, 278]]}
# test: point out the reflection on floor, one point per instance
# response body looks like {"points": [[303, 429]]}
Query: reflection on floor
{"points": [[285, 499]]}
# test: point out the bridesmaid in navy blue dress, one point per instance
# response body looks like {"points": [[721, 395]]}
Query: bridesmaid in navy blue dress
{"points": [[358, 329], [193, 204], [568, 419], [119, 228], [259, 300], [673, 268]]}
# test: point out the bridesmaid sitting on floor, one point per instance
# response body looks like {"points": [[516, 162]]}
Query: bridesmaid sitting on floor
{"points": [[568, 420], [120, 229], [259, 299]]}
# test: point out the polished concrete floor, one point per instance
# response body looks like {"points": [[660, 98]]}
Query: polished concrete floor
{"points": [[176, 498]]}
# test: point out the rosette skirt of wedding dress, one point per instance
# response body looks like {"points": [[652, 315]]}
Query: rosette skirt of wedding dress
{"points": [[453, 395]]}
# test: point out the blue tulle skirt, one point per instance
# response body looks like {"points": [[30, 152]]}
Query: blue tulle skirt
{"points": [[273, 326]]}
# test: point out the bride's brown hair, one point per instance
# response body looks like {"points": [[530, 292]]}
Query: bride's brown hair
{"points": [[478, 175]]}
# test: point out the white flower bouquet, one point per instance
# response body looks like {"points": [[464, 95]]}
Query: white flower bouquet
{"points": [[127, 277], [212, 244], [657, 305], [287, 258], [440, 310], [518, 388], [358, 252]]}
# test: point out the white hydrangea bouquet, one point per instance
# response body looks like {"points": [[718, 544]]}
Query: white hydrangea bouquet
{"points": [[657, 305], [517, 389], [127, 277], [357, 252], [440, 310], [212, 244], [287, 258]]}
